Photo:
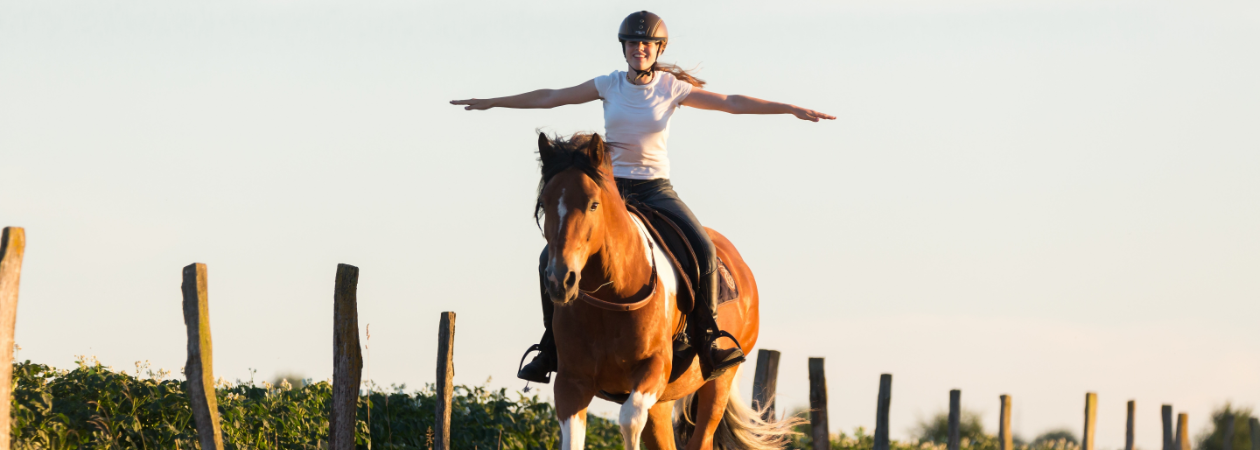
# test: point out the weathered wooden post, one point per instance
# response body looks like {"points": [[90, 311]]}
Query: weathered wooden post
{"points": [[955, 416], [882, 404], [347, 359], [1227, 441], [1005, 440], [1254, 425], [12, 247], [818, 405], [199, 370], [1128, 426], [1091, 413], [1166, 416], [445, 372], [1183, 431], [766, 382]]}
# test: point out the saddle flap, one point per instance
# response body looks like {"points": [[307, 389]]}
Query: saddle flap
{"points": [[676, 248]]}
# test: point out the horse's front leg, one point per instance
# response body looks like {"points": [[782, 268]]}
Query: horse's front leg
{"points": [[573, 396], [659, 434], [650, 380]]}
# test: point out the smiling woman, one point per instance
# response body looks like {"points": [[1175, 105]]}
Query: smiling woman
{"points": [[638, 105]]}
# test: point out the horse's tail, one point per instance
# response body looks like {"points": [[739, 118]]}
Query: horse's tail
{"points": [[741, 428]]}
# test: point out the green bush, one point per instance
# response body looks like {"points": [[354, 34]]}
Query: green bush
{"points": [[1213, 437], [94, 406], [931, 434], [859, 440], [936, 428]]}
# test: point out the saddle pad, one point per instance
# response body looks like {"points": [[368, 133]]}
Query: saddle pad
{"points": [[727, 289]]}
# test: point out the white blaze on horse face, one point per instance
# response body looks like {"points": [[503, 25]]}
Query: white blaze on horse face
{"points": [[572, 433], [634, 415], [560, 208]]}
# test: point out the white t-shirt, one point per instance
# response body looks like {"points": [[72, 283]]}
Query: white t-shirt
{"points": [[636, 122]]}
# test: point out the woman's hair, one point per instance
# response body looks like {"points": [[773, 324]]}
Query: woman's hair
{"points": [[679, 73]]}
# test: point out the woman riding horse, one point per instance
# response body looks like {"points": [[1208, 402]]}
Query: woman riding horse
{"points": [[638, 105]]}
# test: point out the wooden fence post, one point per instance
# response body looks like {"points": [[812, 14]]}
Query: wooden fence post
{"points": [[1166, 416], [818, 405], [12, 247], [1091, 413], [882, 404], [199, 370], [1227, 441], [1254, 425], [765, 382], [1183, 431], [347, 359], [445, 372], [955, 414], [1005, 440], [1129, 425]]}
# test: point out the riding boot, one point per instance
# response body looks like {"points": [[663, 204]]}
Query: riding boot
{"points": [[539, 370], [714, 360]]}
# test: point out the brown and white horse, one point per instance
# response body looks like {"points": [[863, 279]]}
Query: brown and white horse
{"points": [[597, 249]]}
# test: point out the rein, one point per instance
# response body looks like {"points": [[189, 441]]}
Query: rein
{"points": [[634, 304]]}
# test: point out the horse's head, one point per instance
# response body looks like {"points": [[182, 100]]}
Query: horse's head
{"points": [[576, 200]]}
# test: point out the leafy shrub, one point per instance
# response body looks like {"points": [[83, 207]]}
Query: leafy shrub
{"points": [[972, 437], [936, 429], [1213, 437], [1052, 436], [94, 406]]}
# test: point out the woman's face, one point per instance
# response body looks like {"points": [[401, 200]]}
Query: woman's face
{"points": [[641, 55]]}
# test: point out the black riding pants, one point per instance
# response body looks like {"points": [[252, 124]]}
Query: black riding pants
{"points": [[660, 195]]}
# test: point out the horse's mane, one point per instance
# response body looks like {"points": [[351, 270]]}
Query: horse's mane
{"points": [[582, 151]]}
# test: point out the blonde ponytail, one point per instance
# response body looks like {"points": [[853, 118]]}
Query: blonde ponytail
{"points": [[679, 73]]}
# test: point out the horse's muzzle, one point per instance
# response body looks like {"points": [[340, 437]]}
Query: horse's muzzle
{"points": [[562, 289]]}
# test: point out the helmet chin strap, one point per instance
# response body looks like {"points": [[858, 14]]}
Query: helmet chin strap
{"points": [[649, 73], [643, 73]]}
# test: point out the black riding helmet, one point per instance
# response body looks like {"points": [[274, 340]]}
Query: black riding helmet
{"points": [[643, 26]]}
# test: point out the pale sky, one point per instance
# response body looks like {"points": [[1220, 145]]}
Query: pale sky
{"points": [[1039, 198]]}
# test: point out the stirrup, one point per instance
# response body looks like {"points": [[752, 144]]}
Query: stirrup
{"points": [[737, 356], [546, 374], [725, 333], [717, 368]]}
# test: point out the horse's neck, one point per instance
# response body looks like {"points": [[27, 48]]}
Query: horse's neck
{"points": [[627, 259]]}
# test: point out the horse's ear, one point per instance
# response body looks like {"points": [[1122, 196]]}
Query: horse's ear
{"points": [[596, 151], [545, 150]]}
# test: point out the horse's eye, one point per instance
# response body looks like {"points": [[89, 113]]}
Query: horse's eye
{"points": [[594, 205]]}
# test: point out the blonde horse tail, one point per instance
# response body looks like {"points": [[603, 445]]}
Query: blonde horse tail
{"points": [[741, 428]]}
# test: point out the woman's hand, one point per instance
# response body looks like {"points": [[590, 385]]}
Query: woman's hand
{"points": [[476, 104], [810, 115]]}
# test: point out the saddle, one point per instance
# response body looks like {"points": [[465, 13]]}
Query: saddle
{"points": [[682, 257]]}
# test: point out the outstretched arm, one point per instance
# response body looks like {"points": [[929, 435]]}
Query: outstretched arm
{"points": [[542, 98], [741, 104]]}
